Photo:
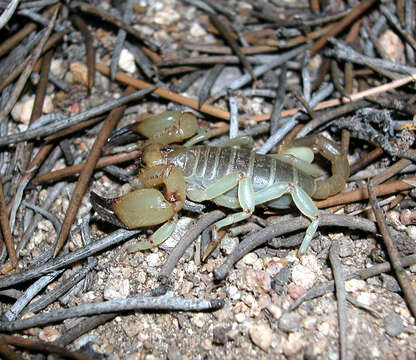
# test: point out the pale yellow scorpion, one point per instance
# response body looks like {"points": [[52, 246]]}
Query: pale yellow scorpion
{"points": [[235, 178]]}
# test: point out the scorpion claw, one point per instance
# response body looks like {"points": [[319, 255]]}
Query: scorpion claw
{"points": [[103, 207]]}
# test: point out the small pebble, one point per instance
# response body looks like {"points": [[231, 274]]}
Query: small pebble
{"points": [[153, 259], [22, 111], [167, 16], [117, 289], [233, 293], [280, 280], [303, 276], [408, 217], [126, 61], [240, 317], [355, 285], [256, 281], [295, 291], [197, 30], [294, 343], [49, 334], [393, 324], [131, 328], [393, 46], [411, 232], [250, 258], [290, 322], [220, 335], [228, 244], [261, 335], [199, 320], [275, 310], [79, 73]]}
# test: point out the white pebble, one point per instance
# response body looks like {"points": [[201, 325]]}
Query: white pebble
{"points": [[261, 335], [355, 285], [366, 298], [126, 61], [302, 276], [197, 30], [117, 289], [233, 293], [249, 259], [167, 16], [22, 111], [153, 260]]}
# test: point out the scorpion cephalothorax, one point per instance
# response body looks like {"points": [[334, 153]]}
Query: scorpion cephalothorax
{"points": [[236, 178]]}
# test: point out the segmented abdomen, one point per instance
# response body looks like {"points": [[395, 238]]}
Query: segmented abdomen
{"points": [[212, 163]]}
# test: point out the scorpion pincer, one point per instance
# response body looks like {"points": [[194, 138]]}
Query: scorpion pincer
{"points": [[235, 178]]}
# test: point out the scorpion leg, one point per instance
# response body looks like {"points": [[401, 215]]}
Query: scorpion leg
{"points": [[242, 140], [302, 201], [216, 191]]}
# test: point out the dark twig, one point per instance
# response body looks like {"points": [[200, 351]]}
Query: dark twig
{"points": [[252, 241], [365, 160], [280, 101], [396, 264], [187, 81], [341, 296], [341, 25], [225, 32], [121, 37], [233, 130], [12, 41], [54, 294], [65, 260], [22, 66], [89, 40], [329, 115], [7, 352], [39, 100], [5, 228], [209, 80], [29, 294], [329, 286], [83, 327], [70, 121], [138, 302], [90, 9], [43, 346], [8, 13], [17, 90], [344, 52], [396, 24], [203, 222], [76, 169]]}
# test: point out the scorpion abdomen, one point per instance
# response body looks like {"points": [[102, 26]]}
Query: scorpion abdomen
{"points": [[203, 165]]}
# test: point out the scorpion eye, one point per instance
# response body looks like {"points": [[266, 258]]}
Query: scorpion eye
{"points": [[167, 149]]}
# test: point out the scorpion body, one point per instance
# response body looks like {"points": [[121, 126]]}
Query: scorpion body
{"points": [[203, 165], [236, 178]]}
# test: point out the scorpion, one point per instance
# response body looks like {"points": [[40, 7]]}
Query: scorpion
{"points": [[231, 177]]}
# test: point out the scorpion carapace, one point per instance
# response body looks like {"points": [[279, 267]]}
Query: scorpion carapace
{"points": [[235, 178]]}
